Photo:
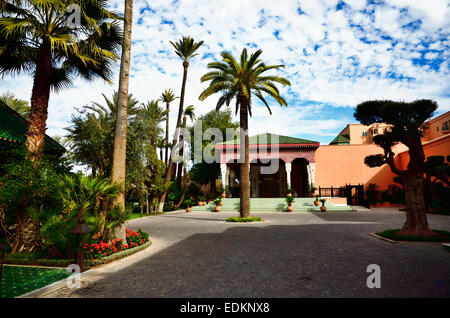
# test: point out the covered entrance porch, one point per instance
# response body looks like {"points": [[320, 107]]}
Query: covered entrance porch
{"points": [[274, 167]]}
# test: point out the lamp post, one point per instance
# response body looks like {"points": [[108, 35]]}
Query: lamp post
{"points": [[80, 229]]}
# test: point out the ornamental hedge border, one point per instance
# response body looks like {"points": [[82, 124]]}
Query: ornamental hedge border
{"points": [[65, 263], [118, 255]]}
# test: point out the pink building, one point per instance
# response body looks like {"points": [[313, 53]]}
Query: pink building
{"points": [[301, 163]]}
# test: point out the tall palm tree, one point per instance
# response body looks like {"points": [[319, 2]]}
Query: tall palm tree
{"points": [[154, 115], [241, 81], [20, 106], [185, 49], [120, 138], [188, 112], [167, 97], [35, 39]]}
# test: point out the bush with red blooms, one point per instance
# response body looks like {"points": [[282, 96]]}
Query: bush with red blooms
{"points": [[136, 238], [99, 249]]}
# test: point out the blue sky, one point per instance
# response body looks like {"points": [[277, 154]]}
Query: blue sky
{"points": [[337, 54]]}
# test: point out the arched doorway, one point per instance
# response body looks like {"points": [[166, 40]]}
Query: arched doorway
{"points": [[266, 185], [299, 177]]}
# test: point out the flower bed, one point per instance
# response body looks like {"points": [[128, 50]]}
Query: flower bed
{"points": [[99, 249]]}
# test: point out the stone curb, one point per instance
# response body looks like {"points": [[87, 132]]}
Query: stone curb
{"points": [[401, 242], [382, 238]]}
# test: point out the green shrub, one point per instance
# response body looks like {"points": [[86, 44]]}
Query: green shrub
{"points": [[239, 219], [372, 193], [443, 236]]}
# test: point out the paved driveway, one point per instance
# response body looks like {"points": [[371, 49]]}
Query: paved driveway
{"points": [[289, 255]]}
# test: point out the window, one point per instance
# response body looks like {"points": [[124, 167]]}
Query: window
{"points": [[445, 125], [375, 131], [364, 133], [437, 127]]}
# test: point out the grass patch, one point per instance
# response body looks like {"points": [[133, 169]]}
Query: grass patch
{"points": [[18, 280], [239, 219], [443, 236]]}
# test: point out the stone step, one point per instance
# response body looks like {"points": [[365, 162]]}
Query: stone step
{"points": [[271, 204]]}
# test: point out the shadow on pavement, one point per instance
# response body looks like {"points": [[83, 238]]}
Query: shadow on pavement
{"points": [[312, 260]]}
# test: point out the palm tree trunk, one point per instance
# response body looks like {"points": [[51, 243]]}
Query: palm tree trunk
{"points": [[167, 135], [103, 208], [120, 138], [180, 165], [28, 229], [183, 194], [39, 104], [244, 166], [170, 167]]}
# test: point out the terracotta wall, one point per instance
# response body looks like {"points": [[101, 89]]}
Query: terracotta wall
{"points": [[435, 127], [436, 147], [337, 165]]}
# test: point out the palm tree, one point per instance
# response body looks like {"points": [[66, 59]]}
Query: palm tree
{"points": [[154, 115], [185, 49], [20, 106], [90, 137], [241, 81], [161, 145], [120, 138], [80, 193], [167, 97], [188, 112], [35, 39]]}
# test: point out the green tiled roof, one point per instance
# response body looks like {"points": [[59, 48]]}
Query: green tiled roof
{"points": [[267, 138], [13, 128], [341, 140]]}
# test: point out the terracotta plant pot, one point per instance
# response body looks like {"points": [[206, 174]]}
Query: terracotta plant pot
{"points": [[289, 208], [289, 195], [224, 195], [188, 210], [323, 209], [221, 203], [217, 209], [316, 203]]}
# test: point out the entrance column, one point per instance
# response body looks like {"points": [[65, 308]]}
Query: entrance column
{"points": [[224, 174], [288, 167], [311, 169]]}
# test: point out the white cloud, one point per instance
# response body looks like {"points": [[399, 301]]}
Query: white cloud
{"points": [[351, 56]]}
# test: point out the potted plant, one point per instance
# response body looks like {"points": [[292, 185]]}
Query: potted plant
{"points": [[217, 203], [221, 202], [317, 202], [312, 189], [323, 207], [201, 201], [188, 204], [289, 192], [289, 201], [223, 193]]}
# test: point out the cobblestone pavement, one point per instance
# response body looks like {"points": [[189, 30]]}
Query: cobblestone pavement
{"points": [[300, 254]]}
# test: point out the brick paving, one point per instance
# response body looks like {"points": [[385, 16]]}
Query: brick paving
{"points": [[301, 254]]}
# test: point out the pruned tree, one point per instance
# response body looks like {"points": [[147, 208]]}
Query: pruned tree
{"points": [[407, 125]]}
